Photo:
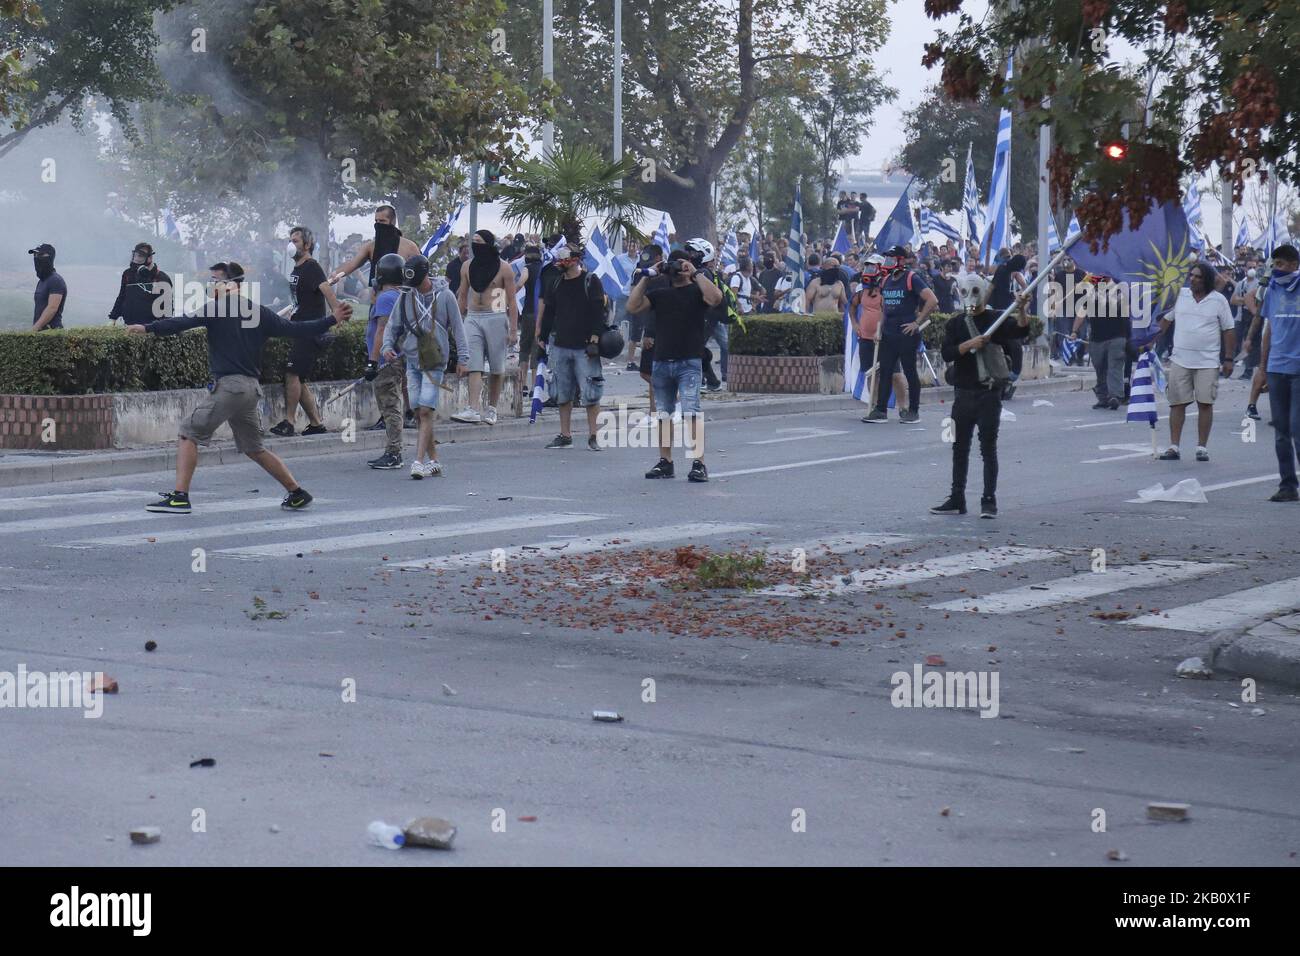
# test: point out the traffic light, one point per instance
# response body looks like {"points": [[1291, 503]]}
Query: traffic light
{"points": [[491, 174], [1115, 150]]}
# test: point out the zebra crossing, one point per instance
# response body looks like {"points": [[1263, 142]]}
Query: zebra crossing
{"points": [[429, 538]]}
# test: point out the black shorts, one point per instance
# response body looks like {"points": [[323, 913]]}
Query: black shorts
{"points": [[527, 336], [648, 360], [302, 357]]}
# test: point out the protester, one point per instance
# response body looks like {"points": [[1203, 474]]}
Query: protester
{"points": [[386, 376], [1107, 347], [51, 291], [145, 292], [487, 300], [907, 303], [388, 238], [1280, 358], [235, 359], [650, 268], [573, 319]]}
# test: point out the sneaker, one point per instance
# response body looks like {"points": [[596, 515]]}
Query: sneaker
{"points": [[1283, 493], [714, 387], [876, 415], [410, 421], [467, 415], [296, 500], [561, 441], [633, 367], [1202, 455], [377, 426], [417, 470], [315, 430], [988, 507], [1170, 454], [1102, 403], [1252, 412], [387, 462], [592, 444], [908, 417], [284, 429], [953, 506], [432, 469], [662, 470], [1113, 404], [698, 472], [171, 503], [490, 416]]}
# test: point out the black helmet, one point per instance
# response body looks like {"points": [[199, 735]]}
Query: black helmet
{"points": [[611, 343], [415, 270], [389, 270]]}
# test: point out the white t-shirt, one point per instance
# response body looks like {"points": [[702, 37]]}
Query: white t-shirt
{"points": [[744, 286], [1198, 329]]}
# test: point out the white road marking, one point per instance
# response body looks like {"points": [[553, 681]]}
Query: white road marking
{"points": [[839, 544], [1135, 450], [401, 536], [1231, 610], [1206, 488], [802, 464], [53, 501], [876, 579], [93, 519], [806, 434], [615, 540], [307, 519], [1080, 587]]}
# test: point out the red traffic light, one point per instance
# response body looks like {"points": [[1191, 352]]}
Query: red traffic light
{"points": [[1116, 150]]}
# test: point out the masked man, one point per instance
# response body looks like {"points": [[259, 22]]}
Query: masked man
{"points": [[388, 238], [145, 293], [51, 291]]}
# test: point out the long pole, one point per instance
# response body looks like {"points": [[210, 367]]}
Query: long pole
{"points": [[473, 198], [1044, 200], [1042, 274], [548, 73], [615, 239]]}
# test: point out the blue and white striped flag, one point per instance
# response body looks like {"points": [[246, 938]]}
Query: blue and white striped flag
{"points": [[1192, 210], [932, 223], [517, 266], [1142, 393], [1053, 240], [730, 249], [970, 204], [539, 391], [999, 226], [1243, 237], [169, 225], [1069, 349], [855, 376], [603, 264], [753, 249], [794, 257], [440, 234], [661, 235]]}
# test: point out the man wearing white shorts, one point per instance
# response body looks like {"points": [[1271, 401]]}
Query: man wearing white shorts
{"points": [[1202, 324], [487, 299]]}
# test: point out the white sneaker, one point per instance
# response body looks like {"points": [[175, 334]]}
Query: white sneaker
{"points": [[490, 416], [468, 415], [417, 469], [432, 469]]}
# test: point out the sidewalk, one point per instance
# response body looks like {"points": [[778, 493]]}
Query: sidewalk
{"points": [[18, 468]]}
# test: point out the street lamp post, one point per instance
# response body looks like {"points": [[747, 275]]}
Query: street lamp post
{"points": [[548, 73]]}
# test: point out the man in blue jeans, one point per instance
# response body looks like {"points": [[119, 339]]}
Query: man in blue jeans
{"points": [[680, 310], [1280, 358]]}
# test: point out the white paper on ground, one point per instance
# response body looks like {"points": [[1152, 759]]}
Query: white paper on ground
{"points": [[1040, 402], [1008, 416], [1187, 491]]}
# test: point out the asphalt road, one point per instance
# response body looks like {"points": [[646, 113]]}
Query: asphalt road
{"points": [[474, 687]]}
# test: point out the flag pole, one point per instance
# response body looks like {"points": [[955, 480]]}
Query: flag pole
{"points": [[1043, 273]]}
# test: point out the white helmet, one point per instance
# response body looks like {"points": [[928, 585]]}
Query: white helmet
{"points": [[701, 250], [1251, 273]]}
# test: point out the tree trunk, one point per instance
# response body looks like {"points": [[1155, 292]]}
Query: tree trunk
{"points": [[691, 208]]}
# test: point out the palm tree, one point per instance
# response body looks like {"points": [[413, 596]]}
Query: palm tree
{"points": [[556, 193]]}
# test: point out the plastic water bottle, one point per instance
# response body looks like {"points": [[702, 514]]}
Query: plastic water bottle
{"points": [[386, 835]]}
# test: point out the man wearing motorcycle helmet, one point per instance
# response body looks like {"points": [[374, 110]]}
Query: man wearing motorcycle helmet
{"points": [[907, 302]]}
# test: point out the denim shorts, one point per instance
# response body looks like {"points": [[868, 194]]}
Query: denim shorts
{"points": [[422, 387], [576, 371], [677, 385]]}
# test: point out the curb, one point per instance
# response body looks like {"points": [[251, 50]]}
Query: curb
{"points": [[109, 464], [1269, 651]]}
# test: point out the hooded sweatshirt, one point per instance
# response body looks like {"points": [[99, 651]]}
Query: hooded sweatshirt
{"points": [[437, 309], [1281, 309]]}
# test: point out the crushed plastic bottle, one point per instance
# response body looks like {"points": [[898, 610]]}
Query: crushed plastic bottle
{"points": [[386, 835]]}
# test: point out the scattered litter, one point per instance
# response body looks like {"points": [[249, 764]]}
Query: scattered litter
{"points": [[432, 832], [152, 540], [324, 753], [1040, 587], [448, 691], [1008, 416], [945, 811], [203, 762], [1258, 712], [1040, 402], [151, 645], [386, 835], [1167, 811], [507, 498], [1187, 491], [1235, 706], [608, 716], [528, 819], [275, 828], [1116, 855], [146, 835], [935, 660], [471, 494], [102, 682], [1195, 668]]}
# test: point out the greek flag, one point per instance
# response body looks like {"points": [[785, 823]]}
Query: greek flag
{"points": [[855, 376], [1069, 349], [898, 229], [1142, 393], [661, 235], [841, 244], [539, 391], [603, 264], [169, 225], [1000, 191], [1192, 210], [730, 249], [440, 234], [517, 266], [753, 249], [932, 223], [794, 257], [1243, 237], [1053, 240], [970, 203]]}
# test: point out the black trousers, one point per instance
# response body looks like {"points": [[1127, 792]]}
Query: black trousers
{"points": [[901, 348], [972, 408]]}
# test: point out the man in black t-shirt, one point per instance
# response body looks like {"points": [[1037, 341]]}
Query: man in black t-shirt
{"points": [[681, 325], [573, 316], [311, 294], [51, 291], [768, 279]]}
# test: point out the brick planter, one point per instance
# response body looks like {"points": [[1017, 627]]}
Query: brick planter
{"points": [[786, 374], [73, 422]]}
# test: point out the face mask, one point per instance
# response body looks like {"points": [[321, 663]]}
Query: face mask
{"points": [[44, 266]]}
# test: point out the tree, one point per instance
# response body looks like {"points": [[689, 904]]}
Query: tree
{"points": [[693, 75], [938, 132], [555, 193], [1223, 74], [78, 49]]}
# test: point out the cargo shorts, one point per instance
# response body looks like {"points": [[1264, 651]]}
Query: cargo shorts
{"points": [[235, 400]]}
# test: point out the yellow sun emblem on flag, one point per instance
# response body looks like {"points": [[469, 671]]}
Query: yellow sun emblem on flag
{"points": [[1166, 270]]}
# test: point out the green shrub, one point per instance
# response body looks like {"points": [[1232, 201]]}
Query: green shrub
{"points": [[79, 361], [782, 334]]}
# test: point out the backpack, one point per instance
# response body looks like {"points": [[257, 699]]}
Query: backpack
{"points": [[429, 344], [991, 362]]}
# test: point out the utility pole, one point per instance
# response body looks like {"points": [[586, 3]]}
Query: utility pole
{"points": [[548, 74], [473, 198], [616, 239]]}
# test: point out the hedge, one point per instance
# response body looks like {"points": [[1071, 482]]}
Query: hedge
{"points": [[80, 361], [821, 334]]}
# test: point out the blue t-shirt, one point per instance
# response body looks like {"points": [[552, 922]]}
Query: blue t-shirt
{"points": [[52, 284], [1281, 308], [383, 306], [901, 298]]}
